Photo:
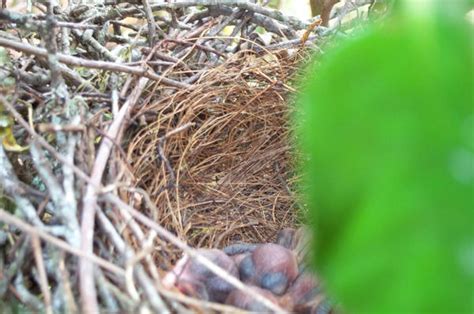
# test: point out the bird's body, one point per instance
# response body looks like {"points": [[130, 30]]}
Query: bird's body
{"points": [[194, 279], [244, 301], [269, 269], [269, 266]]}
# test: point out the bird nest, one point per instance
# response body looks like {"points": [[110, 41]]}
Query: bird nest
{"points": [[132, 132], [216, 160]]}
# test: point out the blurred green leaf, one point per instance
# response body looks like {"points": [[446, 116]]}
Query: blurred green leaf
{"points": [[388, 124]]}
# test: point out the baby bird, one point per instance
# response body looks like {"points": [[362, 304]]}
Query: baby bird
{"points": [[303, 290], [194, 279], [269, 266], [242, 300], [239, 251], [303, 296]]}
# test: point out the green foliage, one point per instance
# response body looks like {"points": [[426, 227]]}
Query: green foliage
{"points": [[387, 120]]}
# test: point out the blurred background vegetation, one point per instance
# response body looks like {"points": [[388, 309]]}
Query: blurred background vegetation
{"points": [[388, 128]]}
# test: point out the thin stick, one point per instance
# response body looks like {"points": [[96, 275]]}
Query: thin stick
{"points": [[193, 254], [12, 220], [101, 65], [42, 273], [86, 270]]}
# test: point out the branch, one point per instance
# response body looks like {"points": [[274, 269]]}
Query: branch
{"points": [[101, 65], [86, 270], [12, 220], [194, 254]]}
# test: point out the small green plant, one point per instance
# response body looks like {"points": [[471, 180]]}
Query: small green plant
{"points": [[387, 124]]}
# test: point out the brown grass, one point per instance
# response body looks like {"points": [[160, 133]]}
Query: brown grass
{"points": [[226, 174]]}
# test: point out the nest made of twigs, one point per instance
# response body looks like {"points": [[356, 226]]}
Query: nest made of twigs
{"points": [[143, 130]]}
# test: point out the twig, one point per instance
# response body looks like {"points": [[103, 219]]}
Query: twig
{"points": [[87, 285], [151, 23], [63, 205], [196, 76], [60, 91], [41, 141], [162, 155], [12, 220], [241, 4], [26, 296], [65, 285], [155, 299], [193, 254], [42, 273], [11, 186], [207, 305], [102, 65]]}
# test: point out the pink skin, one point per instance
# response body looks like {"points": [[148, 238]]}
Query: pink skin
{"points": [[239, 251], [269, 266], [194, 279], [242, 300], [239, 257], [271, 269], [304, 289]]}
